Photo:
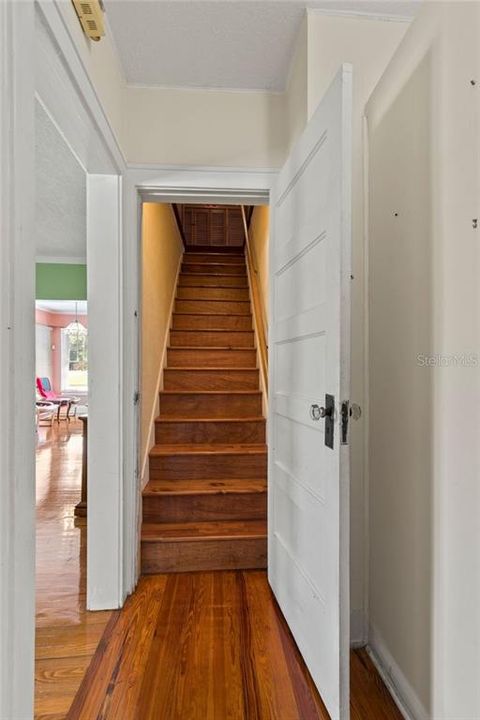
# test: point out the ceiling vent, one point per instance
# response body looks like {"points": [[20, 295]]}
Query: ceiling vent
{"points": [[90, 14]]}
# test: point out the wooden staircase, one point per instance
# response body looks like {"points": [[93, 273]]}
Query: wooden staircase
{"points": [[205, 505]]}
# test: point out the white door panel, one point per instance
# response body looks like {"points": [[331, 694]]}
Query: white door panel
{"points": [[309, 357]]}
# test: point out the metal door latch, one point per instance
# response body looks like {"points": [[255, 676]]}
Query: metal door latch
{"points": [[328, 413], [353, 411]]}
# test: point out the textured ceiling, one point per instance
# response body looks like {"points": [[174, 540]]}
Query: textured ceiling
{"points": [[60, 222], [235, 44]]}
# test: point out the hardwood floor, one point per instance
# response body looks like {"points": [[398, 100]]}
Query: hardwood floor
{"points": [[66, 635], [185, 646], [211, 646]]}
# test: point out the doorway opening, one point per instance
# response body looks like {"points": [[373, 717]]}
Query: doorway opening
{"points": [[203, 439]]}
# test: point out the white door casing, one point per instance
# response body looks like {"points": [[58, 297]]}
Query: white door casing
{"points": [[308, 484]]}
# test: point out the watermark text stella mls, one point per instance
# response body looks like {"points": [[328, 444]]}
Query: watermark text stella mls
{"points": [[465, 359]]}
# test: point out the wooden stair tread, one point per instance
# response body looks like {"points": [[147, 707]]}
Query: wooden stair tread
{"points": [[210, 392], [205, 274], [196, 368], [205, 286], [200, 531], [209, 449], [211, 330], [189, 418], [213, 300], [209, 347], [207, 487], [188, 312]]}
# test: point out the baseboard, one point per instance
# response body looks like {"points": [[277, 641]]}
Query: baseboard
{"points": [[400, 688], [156, 409]]}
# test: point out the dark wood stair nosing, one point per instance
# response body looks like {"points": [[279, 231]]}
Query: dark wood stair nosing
{"points": [[211, 392]]}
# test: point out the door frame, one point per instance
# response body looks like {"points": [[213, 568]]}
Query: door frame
{"points": [[86, 130], [167, 184]]}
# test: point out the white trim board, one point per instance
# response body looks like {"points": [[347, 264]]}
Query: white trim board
{"points": [[359, 15], [45, 260], [399, 687], [166, 183], [17, 352]]}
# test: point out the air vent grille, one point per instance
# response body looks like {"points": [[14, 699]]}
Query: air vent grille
{"points": [[90, 15]]}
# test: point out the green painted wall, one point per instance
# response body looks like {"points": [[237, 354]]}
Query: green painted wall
{"points": [[58, 281]]}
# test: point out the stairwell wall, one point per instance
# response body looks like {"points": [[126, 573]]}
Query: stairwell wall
{"points": [[162, 251]]}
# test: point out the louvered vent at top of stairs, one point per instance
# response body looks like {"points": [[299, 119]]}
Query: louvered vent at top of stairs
{"points": [[90, 14]]}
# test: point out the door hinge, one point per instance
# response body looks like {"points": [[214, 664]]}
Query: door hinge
{"points": [[136, 398]]}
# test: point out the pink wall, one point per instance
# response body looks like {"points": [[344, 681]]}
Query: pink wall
{"points": [[57, 321]]}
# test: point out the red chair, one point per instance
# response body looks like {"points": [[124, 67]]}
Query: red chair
{"points": [[44, 387]]}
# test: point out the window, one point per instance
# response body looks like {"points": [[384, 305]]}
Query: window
{"points": [[75, 357]]}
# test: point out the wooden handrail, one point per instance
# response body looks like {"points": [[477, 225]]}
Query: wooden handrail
{"points": [[259, 310]]}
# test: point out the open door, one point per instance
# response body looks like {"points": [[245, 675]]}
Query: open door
{"points": [[309, 379]]}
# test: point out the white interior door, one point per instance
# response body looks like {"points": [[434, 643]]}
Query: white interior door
{"points": [[309, 358]]}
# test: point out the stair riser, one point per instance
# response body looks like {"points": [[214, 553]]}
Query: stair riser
{"points": [[180, 357], [196, 466], [211, 322], [212, 280], [186, 338], [212, 293], [248, 431], [210, 379], [204, 507], [222, 258], [206, 405], [213, 307], [204, 555], [223, 269]]}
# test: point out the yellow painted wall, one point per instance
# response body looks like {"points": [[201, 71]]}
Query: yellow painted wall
{"points": [[162, 250], [258, 237]]}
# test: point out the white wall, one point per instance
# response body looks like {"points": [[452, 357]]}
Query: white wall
{"points": [[103, 66], [424, 135], [201, 127], [191, 127], [43, 351], [296, 96], [368, 45], [162, 251]]}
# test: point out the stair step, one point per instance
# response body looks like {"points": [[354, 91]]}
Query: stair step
{"points": [[213, 267], [213, 461], [189, 547], [213, 307], [213, 404], [211, 338], [211, 357], [179, 501], [215, 257], [212, 280], [212, 293], [209, 430], [211, 379], [211, 322]]}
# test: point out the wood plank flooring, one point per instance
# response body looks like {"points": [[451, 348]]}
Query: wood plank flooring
{"points": [[211, 646], [66, 635], [185, 646]]}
